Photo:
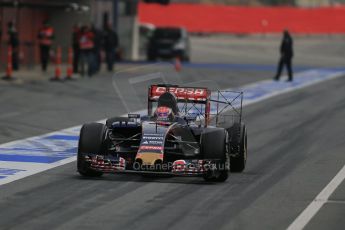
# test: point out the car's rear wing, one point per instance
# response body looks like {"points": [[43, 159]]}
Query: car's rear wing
{"points": [[215, 107], [197, 95]]}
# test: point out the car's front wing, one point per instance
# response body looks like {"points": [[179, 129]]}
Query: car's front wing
{"points": [[190, 167]]}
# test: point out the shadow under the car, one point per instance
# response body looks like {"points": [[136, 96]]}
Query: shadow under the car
{"points": [[146, 179]]}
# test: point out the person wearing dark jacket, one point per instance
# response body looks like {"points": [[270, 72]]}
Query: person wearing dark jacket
{"points": [[97, 48], [76, 49], [286, 54], [14, 43], [110, 46]]}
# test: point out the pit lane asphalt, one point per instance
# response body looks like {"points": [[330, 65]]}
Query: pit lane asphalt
{"points": [[296, 146]]}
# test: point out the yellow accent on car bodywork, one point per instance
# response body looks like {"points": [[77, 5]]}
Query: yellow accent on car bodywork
{"points": [[149, 158]]}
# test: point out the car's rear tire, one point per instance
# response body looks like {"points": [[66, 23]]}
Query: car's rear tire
{"points": [[238, 147], [110, 121], [90, 142], [213, 146]]}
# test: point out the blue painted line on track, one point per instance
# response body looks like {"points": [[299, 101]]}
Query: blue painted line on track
{"points": [[33, 156], [6, 172], [47, 153], [244, 67], [32, 159], [63, 137], [3, 150]]}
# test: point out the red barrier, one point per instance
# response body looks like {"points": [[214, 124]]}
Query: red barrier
{"points": [[245, 20]]}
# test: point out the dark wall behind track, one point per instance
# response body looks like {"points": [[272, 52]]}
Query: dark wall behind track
{"points": [[28, 22]]}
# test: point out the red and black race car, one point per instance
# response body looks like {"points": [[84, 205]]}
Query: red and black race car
{"points": [[179, 136]]}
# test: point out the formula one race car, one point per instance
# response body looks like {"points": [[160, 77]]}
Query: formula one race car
{"points": [[175, 138]]}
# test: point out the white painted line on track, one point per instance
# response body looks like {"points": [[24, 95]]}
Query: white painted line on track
{"points": [[28, 169], [303, 219]]}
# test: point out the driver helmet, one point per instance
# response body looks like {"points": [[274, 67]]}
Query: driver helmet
{"points": [[164, 113]]}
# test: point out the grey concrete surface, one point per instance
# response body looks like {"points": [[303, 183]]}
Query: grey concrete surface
{"points": [[339, 194], [309, 51], [331, 216]]}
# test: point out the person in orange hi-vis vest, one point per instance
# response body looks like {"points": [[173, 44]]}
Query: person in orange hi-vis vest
{"points": [[86, 45], [45, 38]]}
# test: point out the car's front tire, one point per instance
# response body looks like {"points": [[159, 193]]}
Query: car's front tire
{"points": [[91, 141], [213, 146]]}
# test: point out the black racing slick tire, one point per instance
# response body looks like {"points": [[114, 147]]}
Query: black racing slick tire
{"points": [[238, 147], [110, 121], [90, 142], [213, 146]]}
